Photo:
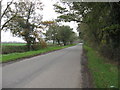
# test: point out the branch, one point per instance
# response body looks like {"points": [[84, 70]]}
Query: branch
{"points": [[29, 12], [6, 9], [70, 19], [8, 21]]}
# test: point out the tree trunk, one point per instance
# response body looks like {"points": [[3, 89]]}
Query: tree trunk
{"points": [[64, 42], [53, 41], [71, 42], [58, 41], [28, 43]]}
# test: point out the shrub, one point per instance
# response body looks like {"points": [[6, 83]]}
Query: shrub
{"points": [[13, 49], [110, 52], [36, 46], [43, 44]]}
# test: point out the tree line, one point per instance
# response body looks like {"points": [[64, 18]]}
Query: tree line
{"points": [[61, 34], [98, 24], [24, 19]]}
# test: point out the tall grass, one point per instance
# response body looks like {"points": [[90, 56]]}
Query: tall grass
{"points": [[105, 74]]}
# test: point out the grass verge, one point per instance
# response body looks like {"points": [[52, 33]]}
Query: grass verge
{"points": [[15, 56], [105, 74]]}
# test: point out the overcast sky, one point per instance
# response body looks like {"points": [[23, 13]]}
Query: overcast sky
{"points": [[48, 14]]}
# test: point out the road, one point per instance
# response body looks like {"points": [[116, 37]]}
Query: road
{"points": [[58, 69]]}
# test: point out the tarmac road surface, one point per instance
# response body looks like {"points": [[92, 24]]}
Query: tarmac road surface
{"points": [[58, 69]]}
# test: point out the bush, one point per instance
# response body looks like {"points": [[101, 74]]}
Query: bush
{"points": [[36, 47], [43, 44], [40, 45], [109, 52], [13, 49]]}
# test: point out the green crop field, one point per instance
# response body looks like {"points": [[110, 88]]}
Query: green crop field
{"points": [[13, 44]]}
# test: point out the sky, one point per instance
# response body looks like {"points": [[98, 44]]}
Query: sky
{"points": [[48, 14]]}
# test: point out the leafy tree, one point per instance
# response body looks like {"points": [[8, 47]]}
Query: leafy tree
{"points": [[53, 33], [7, 14], [48, 23], [27, 23], [98, 23], [60, 34], [73, 37], [65, 33]]}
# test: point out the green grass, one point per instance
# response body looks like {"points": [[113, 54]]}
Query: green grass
{"points": [[104, 73], [13, 44], [15, 56]]}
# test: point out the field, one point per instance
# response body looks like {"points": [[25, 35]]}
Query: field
{"points": [[8, 48], [105, 74], [13, 44]]}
